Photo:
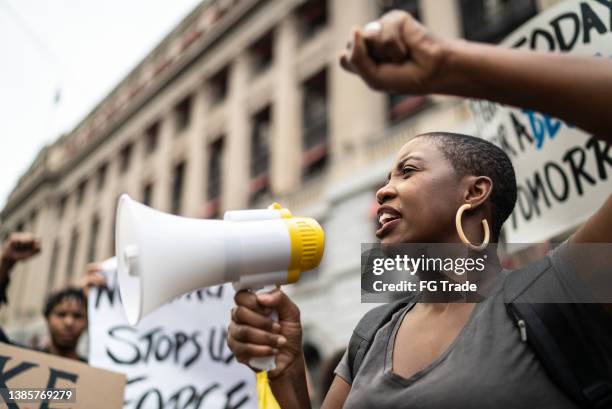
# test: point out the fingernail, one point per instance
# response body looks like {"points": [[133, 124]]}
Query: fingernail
{"points": [[276, 327], [281, 341], [372, 27], [274, 351]]}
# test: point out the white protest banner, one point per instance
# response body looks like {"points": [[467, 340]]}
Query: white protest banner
{"points": [[177, 356], [563, 174]]}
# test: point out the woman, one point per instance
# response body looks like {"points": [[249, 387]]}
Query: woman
{"points": [[444, 355]]}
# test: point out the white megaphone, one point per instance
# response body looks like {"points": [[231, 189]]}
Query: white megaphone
{"points": [[162, 256]]}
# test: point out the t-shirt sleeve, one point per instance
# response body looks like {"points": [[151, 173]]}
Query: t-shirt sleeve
{"points": [[343, 369], [580, 270]]}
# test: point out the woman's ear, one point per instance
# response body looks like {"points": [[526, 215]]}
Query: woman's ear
{"points": [[478, 190]]}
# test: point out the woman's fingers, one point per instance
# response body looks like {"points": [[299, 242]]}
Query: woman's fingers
{"points": [[251, 335], [248, 299], [278, 300], [384, 39], [245, 351], [395, 54], [243, 315]]}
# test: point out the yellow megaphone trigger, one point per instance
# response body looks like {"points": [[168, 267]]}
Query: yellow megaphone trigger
{"points": [[307, 244], [284, 213]]}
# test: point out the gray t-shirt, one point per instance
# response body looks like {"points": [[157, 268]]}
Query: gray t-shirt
{"points": [[486, 366]]}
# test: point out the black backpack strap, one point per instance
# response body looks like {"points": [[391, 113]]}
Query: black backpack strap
{"points": [[553, 330], [365, 331]]}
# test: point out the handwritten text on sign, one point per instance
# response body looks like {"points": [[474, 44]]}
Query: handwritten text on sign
{"points": [[177, 356], [563, 174]]}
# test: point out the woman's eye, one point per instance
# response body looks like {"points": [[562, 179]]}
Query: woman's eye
{"points": [[407, 171]]}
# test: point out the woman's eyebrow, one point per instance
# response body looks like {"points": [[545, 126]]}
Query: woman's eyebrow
{"points": [[403, 161], [401, 164]]}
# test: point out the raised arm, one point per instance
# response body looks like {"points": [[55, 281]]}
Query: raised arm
{"points": [[18, 247], [413, 61]]}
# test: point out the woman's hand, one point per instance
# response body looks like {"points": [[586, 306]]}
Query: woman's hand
{"points": [[252, 333], [396, 54]]}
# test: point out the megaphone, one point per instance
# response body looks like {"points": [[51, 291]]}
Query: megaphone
{"points": [[161, 256]]}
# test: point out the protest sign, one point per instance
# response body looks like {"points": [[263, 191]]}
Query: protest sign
{"points": [[177, 356], [25, 372], [563, 174]]}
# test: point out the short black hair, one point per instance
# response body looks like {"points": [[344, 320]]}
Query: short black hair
{"points": [[59, 296], [470, 155]]}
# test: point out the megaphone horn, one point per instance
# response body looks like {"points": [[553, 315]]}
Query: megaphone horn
{"points": [[162, 256]]}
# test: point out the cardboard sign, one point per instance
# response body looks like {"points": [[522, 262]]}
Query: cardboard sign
{"points": [[563, 174], [177, 356], [25, 369]]}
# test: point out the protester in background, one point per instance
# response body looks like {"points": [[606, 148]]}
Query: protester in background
{"points": [[18, 247], [66, 315], [449, 188]]}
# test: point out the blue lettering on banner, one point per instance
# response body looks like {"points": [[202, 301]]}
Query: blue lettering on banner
{"points": [[542, 126]]}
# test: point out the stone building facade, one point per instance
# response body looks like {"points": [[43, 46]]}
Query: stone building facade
{"points": [[241, 104]]}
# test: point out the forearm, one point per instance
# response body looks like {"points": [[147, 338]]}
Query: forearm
{"points": [[291, 389], [574, 89], [6, 266]]}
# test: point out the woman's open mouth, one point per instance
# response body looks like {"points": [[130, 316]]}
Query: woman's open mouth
{"points": [[388, 218]]}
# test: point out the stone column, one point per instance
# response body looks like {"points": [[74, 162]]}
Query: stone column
{"points": [[235, 170], [442, 16], [194, 183], [286, 139], [356, 112]]}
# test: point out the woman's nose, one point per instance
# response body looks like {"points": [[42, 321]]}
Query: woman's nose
{"points": [[385, 193]]}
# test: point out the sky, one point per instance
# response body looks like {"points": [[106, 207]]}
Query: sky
{"points": [[60, 58]]}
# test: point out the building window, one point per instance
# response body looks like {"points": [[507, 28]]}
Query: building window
{"points": [[53, 266], [93, 239], [215, 165], [80, 194], [182, 112], [312, 16], [147, 194], [261, 53], [72, 252], [218, 86], [260, 155], [124, 158], [151, 137], [101, 176], [492, 20], [61, 206], [178, 181], [314, 125]]}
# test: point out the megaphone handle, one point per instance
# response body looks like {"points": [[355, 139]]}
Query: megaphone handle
{"points": [[265, 363]]}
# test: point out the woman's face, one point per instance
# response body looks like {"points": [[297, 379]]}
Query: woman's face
{"points": [[421, 197]]}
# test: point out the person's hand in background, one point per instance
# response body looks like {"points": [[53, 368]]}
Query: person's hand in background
{"points": [[20, 246], [92, 277]]}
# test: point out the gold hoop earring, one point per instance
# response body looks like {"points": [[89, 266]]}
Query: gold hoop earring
{"points": [[464, 239]]}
